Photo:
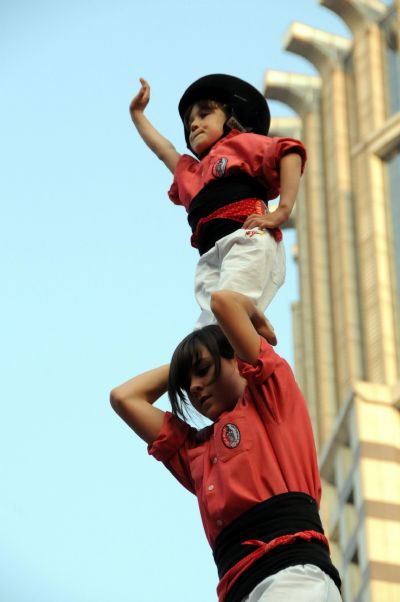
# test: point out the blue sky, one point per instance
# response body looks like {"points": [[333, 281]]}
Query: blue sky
{"points": [[97, 277]]}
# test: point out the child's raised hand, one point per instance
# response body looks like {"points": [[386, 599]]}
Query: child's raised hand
{"points": [[141, 100], [160, 145]]}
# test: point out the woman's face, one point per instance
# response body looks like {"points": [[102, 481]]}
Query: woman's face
{"points": [[212, 397]]}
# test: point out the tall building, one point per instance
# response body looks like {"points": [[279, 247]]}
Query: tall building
{"points": [[347, 319]]}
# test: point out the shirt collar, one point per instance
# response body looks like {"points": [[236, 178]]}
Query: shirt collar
{"points": [[227, 136]]}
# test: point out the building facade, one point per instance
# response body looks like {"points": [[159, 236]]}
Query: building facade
{"points": [[347, 319]]}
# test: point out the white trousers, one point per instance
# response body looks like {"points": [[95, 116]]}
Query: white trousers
{"points": [[300, 583], [250, 262]]}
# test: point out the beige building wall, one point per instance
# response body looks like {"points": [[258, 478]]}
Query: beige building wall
{"points": [[360, 468], [302, 93], [347, 319]]}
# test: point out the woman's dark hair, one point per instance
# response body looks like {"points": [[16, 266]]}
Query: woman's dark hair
{"points": [[186, 355]]}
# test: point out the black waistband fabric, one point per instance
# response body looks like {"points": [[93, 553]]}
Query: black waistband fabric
{"points": [[213, 231], [217, 194], [283, 514]]}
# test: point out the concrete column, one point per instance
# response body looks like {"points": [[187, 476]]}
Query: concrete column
{"points": [[328, 52], [355, 13], [312, 316]]}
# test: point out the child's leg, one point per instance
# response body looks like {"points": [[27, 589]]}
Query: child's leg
{"points": [[300, 583], [205, 282], [253, 264], [276, 278]]}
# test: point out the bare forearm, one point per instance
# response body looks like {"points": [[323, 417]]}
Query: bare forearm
{"points": [[133, 401], [242, 323], [148, 386], [160, 145], [290, 173]]}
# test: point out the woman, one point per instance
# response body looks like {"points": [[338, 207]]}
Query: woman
{"points": [[254, 469]]}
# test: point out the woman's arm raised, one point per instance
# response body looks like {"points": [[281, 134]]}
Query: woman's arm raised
{"points": [[133, 402], [242, 324]]}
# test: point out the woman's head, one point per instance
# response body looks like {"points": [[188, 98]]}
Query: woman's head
{"points": [[204, 374]]}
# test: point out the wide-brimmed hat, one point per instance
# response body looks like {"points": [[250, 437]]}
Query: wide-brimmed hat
{"points": [[248, 104]]}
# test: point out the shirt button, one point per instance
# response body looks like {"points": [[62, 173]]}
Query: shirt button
{"points": [[220, 522], [214, 460], [210, 487]]}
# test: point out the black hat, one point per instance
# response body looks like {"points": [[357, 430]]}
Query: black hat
{"points": [[248, 104]]}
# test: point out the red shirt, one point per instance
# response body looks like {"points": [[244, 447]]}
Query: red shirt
{"points": [[252, 154], [263, 447]]}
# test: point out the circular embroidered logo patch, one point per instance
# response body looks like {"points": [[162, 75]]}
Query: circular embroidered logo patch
{"points": [[220, 167], [230, 435]]}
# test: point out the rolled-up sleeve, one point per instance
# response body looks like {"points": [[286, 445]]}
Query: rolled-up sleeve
{"points": [[185, 163], [264, 367], [273, 153], [170, 448], [285, 146], [269, 381], [280, 147]]}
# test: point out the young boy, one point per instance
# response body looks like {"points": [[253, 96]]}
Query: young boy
{"points": [[226, 188]]}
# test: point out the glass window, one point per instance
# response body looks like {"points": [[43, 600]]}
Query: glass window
{"points": [[393, 182], [392, 62]]}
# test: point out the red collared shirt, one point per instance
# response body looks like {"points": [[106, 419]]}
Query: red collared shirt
{"points": [[264, 447], [252, 154]]}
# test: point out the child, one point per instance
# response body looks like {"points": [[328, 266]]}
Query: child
{"points": [[226, 189], [254, 469]]}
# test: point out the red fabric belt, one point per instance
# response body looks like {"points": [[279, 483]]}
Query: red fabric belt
{"points": [[234, 573], [237, 212]]}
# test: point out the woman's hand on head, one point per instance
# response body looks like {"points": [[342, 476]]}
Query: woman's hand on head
{"points": [[141, 100], [242, 323], [264, 327], [133, 401]]}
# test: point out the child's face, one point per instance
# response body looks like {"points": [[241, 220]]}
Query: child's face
{"points": [[206, 126], [210, 397]]}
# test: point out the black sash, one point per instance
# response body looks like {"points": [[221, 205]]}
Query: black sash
{"points": [[217, 194], [283, 514]]}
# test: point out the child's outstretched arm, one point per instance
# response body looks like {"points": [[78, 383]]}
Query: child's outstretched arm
{"points": [[290, 174], [242, 323], [133, 402], [162, 147]]}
